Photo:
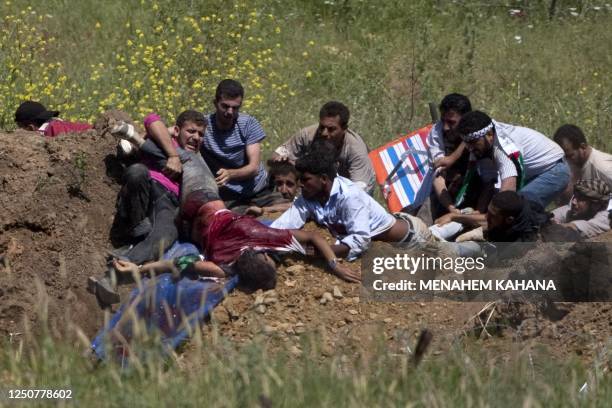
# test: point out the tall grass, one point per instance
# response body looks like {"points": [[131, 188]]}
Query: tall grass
{"points": [[385, 59], [217, 374]]}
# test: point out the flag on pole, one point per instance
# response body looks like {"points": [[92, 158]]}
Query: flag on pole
{"points": [[403, 170]]}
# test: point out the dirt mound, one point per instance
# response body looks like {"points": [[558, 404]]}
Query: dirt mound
{"points": [[57, 198], [57, 206]]}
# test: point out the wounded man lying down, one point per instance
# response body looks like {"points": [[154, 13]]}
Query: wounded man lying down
{"points": [[229, 242], [224, 236]]}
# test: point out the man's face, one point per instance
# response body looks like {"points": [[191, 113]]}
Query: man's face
{"points": [[227, 110], [190, 136], [581, 208], [450, 120], [312, 186], [576, 156], [286, 184], [330, 129], [481, 147], [496, 220]]}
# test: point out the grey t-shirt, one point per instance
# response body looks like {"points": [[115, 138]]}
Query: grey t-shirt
{"points": [[354, 162]]}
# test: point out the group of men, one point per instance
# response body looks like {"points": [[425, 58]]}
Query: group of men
{"points": [[203, 179]]}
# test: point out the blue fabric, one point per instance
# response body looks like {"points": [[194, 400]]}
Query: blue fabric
{"points": [[544, 188], [170, 309]]}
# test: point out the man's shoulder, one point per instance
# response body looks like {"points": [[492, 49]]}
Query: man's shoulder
{"points": [[347, 190], [354, 141], [307, 133], [599, 156]]}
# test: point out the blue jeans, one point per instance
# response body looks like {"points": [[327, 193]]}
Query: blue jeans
{"points": [[547, 186]]}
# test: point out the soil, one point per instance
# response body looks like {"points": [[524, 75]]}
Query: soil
{"points": [[57, 201]]}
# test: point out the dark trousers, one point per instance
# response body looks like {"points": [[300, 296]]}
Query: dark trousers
{"points": [[147, 211]]}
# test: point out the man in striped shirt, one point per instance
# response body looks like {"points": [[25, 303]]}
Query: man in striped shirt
{"points": [[232, 150]]}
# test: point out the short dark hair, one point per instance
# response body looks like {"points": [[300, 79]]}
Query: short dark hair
{"points": [[319, 159], [509, 203], [455, 102], [472, 122], [229, 88], [334, 108], [570, 133], [254, 272], [191, 116], [281, 168]]}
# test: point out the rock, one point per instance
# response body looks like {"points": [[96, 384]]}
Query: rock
{"points": [[327, 297], [372, 316], [221, 315], [270, 300], [259, 300], [294, 350], [388, 320], [353, 311], [337, 293], [261, 309], [289, 283], [327, 350], [295, 269], [269, 329]]}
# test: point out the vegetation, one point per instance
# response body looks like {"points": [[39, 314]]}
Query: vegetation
{"points": [[385, 59], [218, 374]]}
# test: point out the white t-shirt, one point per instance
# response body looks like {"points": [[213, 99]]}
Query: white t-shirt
{"points": [[539, 152]]}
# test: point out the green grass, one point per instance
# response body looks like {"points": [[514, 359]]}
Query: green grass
{"points": [[384, 59], [215, 373]]}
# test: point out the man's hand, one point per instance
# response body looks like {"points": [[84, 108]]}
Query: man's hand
{"points": [[445, 219], [125, 266], [173, 168], [347, 274], [254, 210], [223, 176], [453, 210]]}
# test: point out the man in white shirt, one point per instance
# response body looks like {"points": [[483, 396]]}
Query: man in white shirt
{"points": [[450, 158], [526, 160], [348, 212]]}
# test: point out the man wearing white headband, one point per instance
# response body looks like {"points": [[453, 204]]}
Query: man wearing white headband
{"points": [[526, 160]]}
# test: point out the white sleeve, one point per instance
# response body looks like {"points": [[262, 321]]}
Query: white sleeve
{"points": [[355, 217], [294, 217], [435, 141], [505, 166]]}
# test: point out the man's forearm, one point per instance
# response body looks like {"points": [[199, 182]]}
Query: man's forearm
{"points": [[243, 173], [341, 250], [159, 133], [474, 219]]}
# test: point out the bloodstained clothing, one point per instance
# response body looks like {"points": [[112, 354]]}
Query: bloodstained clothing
{"points": [[226, 234], [57, 127]]}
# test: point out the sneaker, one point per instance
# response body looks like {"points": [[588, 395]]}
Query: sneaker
{"points": [[125, 148]]}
